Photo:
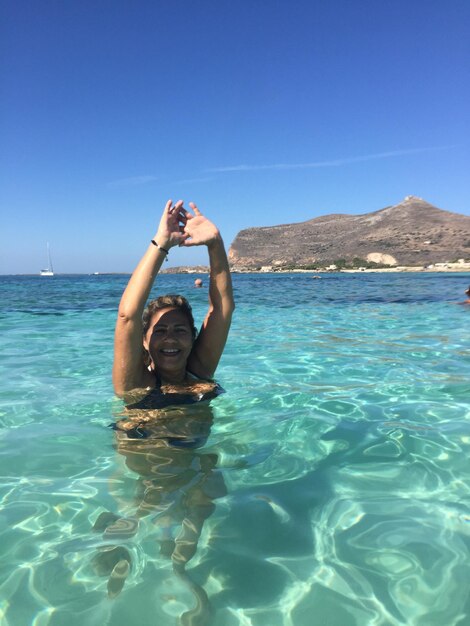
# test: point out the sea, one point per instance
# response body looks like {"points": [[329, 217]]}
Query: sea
{"points": [[328, 486]]}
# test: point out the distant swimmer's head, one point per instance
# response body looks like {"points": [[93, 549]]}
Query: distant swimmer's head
{"points": [[168, 332], [467, 291], [198, 282]]}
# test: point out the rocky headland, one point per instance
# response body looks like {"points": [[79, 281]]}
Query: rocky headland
{"points": [[412, 233]]}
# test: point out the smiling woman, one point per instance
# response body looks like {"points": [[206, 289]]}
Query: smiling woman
{"points": [[169, 336], [161, 362], [159, 346]]}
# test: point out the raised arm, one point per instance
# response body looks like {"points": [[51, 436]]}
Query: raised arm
{"points": [[129, 371], [212, 337]]}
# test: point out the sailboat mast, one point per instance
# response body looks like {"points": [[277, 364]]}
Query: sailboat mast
{"points": [[49, 258]]}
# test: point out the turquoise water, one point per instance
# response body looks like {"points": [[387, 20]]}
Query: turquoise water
{"points": [[333, 488]]}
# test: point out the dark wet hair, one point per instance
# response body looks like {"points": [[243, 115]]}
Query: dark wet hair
{"points": [[167, 302]]}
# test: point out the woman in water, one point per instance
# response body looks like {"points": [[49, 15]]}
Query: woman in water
{"points": [[160, 364], [157, 349]]}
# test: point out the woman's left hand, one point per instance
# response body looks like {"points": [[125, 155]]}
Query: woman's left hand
{"points": [[199, 230]]}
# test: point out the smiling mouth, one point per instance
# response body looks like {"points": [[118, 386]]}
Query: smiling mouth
{"points": [[170, 351]]}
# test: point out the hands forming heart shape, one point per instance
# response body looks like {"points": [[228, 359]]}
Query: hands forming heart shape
{"points": [[182, 227]]}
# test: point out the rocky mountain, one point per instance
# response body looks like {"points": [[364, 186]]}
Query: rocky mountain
{"points": [[412, 232]]}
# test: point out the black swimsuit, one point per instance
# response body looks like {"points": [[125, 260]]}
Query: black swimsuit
{"points": [[158, 399]]}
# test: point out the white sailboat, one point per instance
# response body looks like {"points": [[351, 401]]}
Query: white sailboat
{"points": [[49, 271]]}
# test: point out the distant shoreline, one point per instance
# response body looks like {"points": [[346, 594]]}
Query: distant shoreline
{"points": [[462, 269], [391, 270], [384, 270]]}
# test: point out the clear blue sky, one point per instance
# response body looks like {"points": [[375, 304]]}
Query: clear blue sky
{"points": [[261, 111]]}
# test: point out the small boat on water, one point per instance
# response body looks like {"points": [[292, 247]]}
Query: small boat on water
{"points": [[49, 271]]}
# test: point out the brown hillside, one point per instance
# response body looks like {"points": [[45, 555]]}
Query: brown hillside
{"points": [[413, 232]]}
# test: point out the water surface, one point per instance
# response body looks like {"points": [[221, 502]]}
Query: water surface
{"points": [[333, 487]]}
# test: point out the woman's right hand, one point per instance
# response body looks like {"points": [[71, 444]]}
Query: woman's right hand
{"points": [[171, 228]]}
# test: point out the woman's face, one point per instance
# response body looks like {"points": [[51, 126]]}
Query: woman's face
{"points": [[169, 340]]}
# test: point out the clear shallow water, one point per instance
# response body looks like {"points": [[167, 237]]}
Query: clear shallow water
{"points": [[333, 487]]}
